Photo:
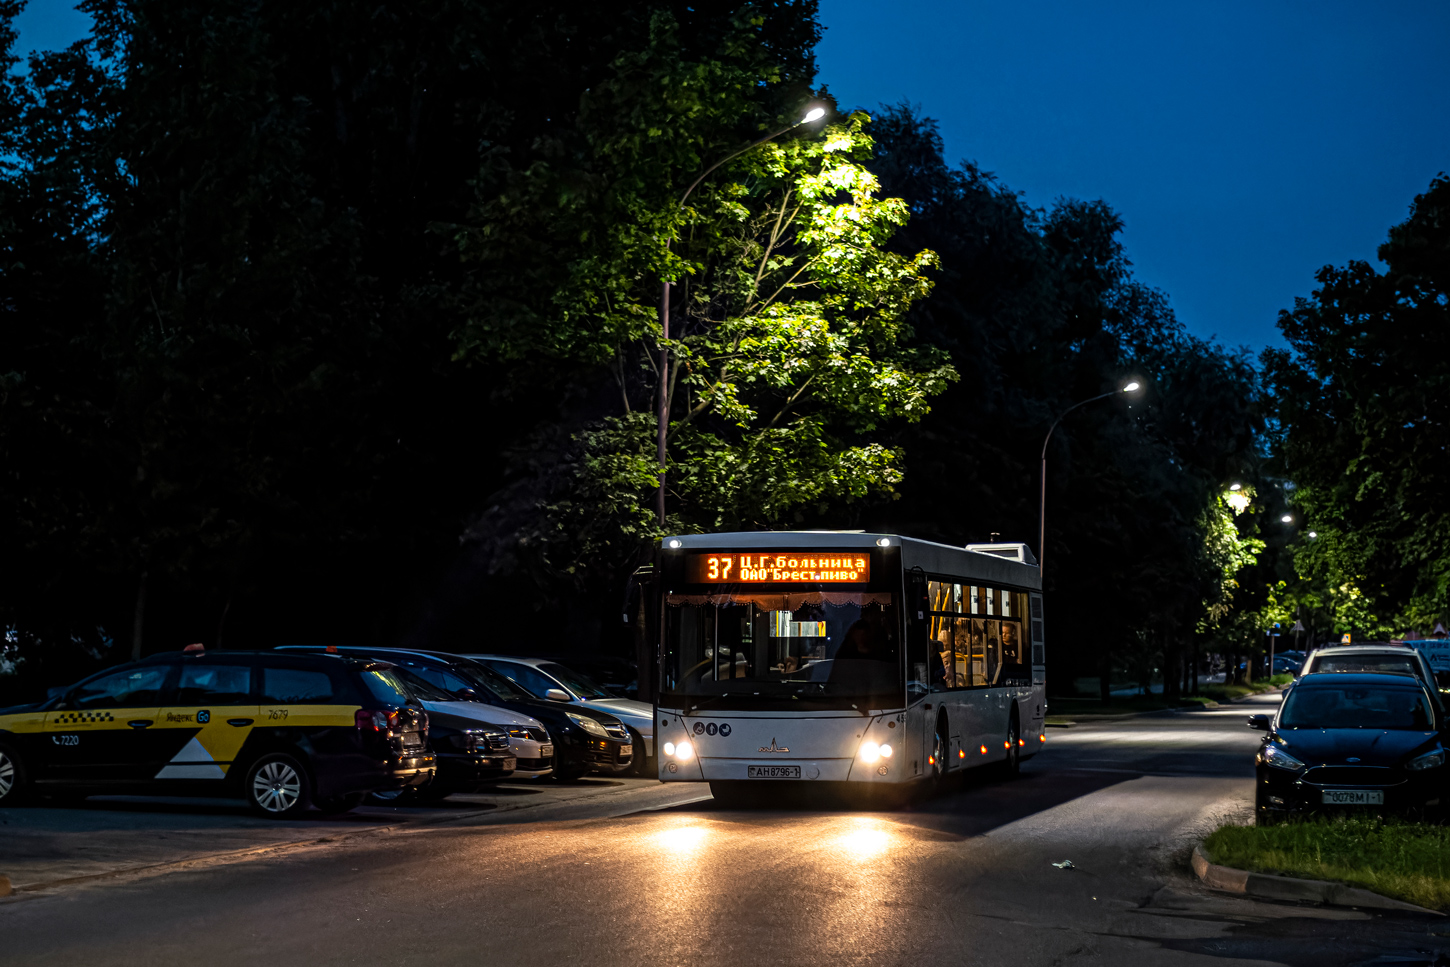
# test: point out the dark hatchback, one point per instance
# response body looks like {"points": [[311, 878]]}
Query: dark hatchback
{"points": [[282, 731], [1346, 742], [585, 739]]}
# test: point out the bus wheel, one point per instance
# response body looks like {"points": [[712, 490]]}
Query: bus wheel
{"points": [[940, 746], [1013, 763]]}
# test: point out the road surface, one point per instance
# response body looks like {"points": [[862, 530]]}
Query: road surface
{"points": [[965, 878]]}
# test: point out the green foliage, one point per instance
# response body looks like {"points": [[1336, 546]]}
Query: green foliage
{"points": [[787, 336], [1360, 395]]}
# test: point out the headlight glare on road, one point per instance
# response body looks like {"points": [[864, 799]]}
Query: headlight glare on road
{"points": [[1430, 760], [683, 751], [1276, 758], [870, 752]]}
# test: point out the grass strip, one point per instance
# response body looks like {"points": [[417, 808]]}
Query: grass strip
{"points": [[1407, 861]]}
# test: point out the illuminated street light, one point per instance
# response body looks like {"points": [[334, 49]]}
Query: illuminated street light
{"points": [[1287, 518], [662, 413], [1235, 486], [1129, 387], [1313, 534]]}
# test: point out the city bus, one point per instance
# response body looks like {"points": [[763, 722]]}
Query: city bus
{"points": [[850, 659]]}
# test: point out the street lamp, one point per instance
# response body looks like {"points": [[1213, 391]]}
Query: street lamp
{"points": [[662, 416], [1130, 387]]}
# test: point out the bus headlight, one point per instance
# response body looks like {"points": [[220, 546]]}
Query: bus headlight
{"points": [[684, 752], [885, 751], [669, 748], [870, 752]]}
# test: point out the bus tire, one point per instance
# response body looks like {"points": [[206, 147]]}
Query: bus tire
{"points": [[1011, 767], [941, 745]]}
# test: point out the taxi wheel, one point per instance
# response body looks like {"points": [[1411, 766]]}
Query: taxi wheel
{"points": [[13, 786], [277, 787]]}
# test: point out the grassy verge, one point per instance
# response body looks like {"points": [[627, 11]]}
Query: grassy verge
{"points": [[1407, 861]]}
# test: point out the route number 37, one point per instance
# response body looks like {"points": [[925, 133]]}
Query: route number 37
{"points": [[719, 567]]}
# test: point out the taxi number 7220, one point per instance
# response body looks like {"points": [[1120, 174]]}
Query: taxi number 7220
{"points": [[66, 739]]}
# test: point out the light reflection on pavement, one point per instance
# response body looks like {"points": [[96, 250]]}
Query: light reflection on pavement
{"points": [[965, 878]]}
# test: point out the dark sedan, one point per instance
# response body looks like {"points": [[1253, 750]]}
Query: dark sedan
{"points": [[1351, 742]]}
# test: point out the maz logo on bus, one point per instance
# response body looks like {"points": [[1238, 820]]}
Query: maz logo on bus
{"points": [[809, 566]]}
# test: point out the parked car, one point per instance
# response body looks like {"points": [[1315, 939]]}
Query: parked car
{"points": [[617, 675], [1351, 741], [473, 752], [285, 732], [584, 739], [1372, 658], [554, 682]]}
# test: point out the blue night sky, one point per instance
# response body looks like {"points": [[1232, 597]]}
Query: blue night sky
{"points": [[1245, 144]]}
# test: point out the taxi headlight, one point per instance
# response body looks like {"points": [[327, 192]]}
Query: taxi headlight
{"points": [[870, 752], [589, 725], [1429, 760], [1276, 758], [683, 751]]}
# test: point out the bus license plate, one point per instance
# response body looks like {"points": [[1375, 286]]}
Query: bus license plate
{"points": [[772, 772], [1354, 797]]}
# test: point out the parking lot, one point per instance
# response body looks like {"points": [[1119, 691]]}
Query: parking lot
{"points": [[105, 836]]}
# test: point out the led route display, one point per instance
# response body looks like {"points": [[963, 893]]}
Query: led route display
{"points": [[815, 567]]}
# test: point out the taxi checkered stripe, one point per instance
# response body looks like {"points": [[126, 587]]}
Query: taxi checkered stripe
{"points": [[69, 717]]}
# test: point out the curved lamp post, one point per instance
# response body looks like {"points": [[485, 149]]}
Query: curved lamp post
{"points": [[662, 416], [1042, 508]]}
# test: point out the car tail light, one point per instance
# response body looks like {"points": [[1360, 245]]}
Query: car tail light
{"points": [[376, 720]]}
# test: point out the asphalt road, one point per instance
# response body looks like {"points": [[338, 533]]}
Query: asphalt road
{"points": [[629, 879]]}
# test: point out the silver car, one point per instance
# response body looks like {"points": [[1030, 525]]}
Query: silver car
{"points": [[550, 680]]}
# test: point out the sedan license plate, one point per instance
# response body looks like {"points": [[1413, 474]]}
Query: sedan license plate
{"points": [[772, 772], [1353, 797], [545, 751], [626, 750]]}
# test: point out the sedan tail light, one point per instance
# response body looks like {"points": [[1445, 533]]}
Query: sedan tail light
{"points": [[376, 720]]}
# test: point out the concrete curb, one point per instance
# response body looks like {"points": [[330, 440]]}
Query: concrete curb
{"points": [[1270, 887]]}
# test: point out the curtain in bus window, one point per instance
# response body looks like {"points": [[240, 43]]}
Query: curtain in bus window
{"points": [[993, 667], [793, 601]]}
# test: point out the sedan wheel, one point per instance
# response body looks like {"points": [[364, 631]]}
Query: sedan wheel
{"points": [[277, 787], [12, 778]]}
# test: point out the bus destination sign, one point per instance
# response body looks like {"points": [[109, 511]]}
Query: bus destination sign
{"points": [[761, 568]]}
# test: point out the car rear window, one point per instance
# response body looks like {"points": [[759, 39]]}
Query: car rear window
{"points": [[385, 686], [1367, 664]]}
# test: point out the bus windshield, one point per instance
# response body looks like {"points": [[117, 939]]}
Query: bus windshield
{"points": [[745, 647]]}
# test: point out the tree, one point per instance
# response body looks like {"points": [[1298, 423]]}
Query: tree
{"points": [[789, 344], [1361, 396]]}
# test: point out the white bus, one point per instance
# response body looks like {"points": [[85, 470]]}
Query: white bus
{"points": [[812, 657]]}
